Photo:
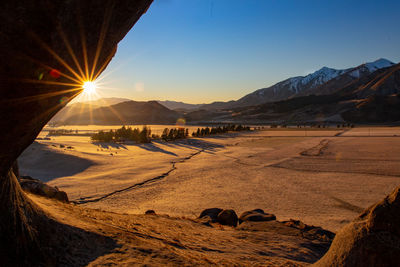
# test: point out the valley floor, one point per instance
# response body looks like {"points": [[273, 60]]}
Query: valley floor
{"points": [[321, 177]]}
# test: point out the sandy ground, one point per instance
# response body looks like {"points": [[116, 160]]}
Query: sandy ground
{"points": [[324, 177]]}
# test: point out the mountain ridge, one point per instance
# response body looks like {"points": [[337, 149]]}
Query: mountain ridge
{"points": [[301, 85], [370, 99], [127, 112]]}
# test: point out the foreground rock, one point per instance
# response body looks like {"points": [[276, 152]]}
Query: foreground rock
{"points": [[131, 240], [211, 213], [310, 231], [373, 239], [258, 220], [277, 227], [47, 50], [228, 217], [37, 187], [256, 215], [150, 212]]}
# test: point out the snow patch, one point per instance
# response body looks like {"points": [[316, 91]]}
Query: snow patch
{"points": [[378, 64]]}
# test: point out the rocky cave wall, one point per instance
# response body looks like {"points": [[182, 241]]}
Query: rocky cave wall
{"points": [[41, 45]]}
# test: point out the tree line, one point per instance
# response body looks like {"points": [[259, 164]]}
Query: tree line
{"points": [[124, 134], [145, 136], [62, 132], [174, 134], [220, 129]]}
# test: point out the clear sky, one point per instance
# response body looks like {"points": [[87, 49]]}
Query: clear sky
{"points": [[199, 51]]}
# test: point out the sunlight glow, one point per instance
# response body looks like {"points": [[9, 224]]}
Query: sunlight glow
{"points": [[89, 87], [76, 74]]}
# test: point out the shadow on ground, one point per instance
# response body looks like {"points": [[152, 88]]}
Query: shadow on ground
{"points": [[153, 148], [196, 144], [60, 244], [44, 163], [109, 145]]}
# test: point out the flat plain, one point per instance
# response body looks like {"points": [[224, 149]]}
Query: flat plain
{"points": [[323, 177]]}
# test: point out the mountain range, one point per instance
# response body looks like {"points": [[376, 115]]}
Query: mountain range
{"points": [[314, 83], [366, 93], [371, 98]]}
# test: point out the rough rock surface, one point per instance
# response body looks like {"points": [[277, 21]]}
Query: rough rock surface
{"points": [[37, 187], [227, 217], [47, 50], [150, 212], [310, 231], [212, 213], [256, 215], [277, 227], [373, 239], [43, 49], [205, 220]]}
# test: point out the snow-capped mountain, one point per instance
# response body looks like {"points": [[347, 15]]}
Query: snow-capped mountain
{"points": [[378, 64], [306, 85], [370, 67], [372, 98], [346, 78]]}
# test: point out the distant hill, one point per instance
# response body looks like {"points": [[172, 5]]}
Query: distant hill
{"points": [[71, 110], [128, 112], [179, 105], [83, 107], [218, 105], [108, 101]]}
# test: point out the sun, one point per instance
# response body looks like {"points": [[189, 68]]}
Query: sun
{"points": [[89, 87]]}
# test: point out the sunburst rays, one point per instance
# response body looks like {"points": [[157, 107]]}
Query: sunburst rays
{"points": [[78, 67]]}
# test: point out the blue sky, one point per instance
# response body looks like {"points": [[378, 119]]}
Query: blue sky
{"points": [[199, 51]]}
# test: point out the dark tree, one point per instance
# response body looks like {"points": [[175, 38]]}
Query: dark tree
{"points": [[164, 135], [144, 136]]}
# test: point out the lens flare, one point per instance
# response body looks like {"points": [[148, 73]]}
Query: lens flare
{"points": [[181, 122], [55, 73], [89, 87]]}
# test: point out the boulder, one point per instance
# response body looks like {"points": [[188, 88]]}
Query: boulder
{"points": [[212, 213], [296, 224], [256, 215], [228, 217], [150, 212], [372, 239], [310, 231], [37, 187]]}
